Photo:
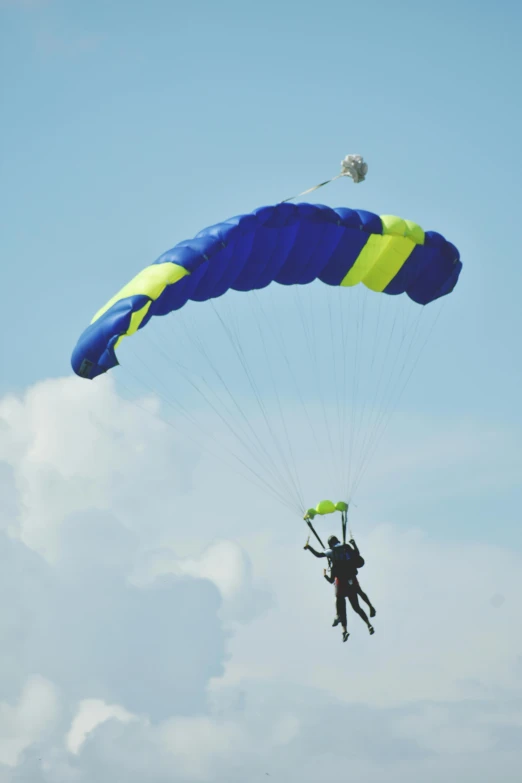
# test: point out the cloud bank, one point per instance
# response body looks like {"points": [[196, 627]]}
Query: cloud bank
{"points": [[146, 637]]}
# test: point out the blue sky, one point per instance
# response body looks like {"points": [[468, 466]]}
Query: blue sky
{"points": [[129, 126]]}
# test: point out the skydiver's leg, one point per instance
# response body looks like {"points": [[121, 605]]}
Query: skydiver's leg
{"points": [[366, 601], [354, 602], [337, 618], [340, 605]]}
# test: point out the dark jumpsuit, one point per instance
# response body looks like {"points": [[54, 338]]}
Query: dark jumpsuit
{"points": [[344, 561]]}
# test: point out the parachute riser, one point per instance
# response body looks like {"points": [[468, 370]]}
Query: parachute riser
{"points": [[315, 532], [346, 526]]}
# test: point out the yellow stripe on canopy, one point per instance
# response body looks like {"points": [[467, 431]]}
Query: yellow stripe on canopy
{"points": [[135, 322], [150, 282], [385, 254]]}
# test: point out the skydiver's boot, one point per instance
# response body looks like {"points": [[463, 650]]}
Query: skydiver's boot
{"points": [[372, 611], [371, 629], [345, 635], [336, 622]]}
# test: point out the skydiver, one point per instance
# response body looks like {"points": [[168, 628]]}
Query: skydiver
{"points": [[345, 561]]}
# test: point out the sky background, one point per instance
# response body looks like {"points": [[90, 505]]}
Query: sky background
{"points": [[159, 620]]}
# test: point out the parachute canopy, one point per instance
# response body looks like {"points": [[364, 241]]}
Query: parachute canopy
{"points": [[287, 244]]}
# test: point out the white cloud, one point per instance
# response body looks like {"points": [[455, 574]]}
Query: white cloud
{"points": [[29, 720], [198, 744], [74, 446], [91, 714], [225, 564], [190, 638]]}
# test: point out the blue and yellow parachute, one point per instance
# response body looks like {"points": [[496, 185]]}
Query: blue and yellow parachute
{"points": [[288, 244]]}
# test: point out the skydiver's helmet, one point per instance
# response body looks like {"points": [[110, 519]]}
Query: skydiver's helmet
{"points": [[332, 541]]}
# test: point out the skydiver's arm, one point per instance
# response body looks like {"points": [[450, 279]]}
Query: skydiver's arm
{"points": [[328, 578], [354, 546], [317, 554]]}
